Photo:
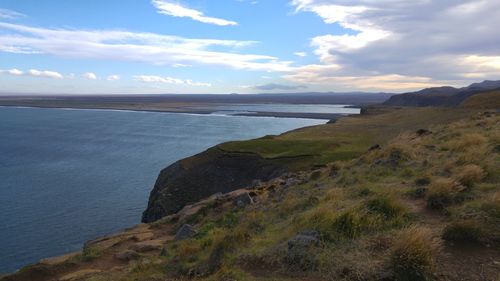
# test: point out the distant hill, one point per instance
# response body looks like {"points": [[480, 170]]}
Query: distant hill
{"points": [[441, 96], [490, 99]]}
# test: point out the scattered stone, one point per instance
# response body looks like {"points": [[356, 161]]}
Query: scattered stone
{"points": [[243, 200], [423, 132], [375, 147], [127, 255], [300, 255], [319, 185], [147, 246], [186, 231], [334, 171], [305, 239]]}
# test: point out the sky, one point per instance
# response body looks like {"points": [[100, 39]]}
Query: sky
{"points": [[245, 46]]}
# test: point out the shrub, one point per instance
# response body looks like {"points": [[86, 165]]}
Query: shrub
{"points": [[463, 231], [386, 206], [89, 253], [470, 174], [442, 193], [466, 141], [423, 181], [348, 225], [413, 254]]}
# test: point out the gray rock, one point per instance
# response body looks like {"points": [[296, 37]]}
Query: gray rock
{"points": [[127, 255], [305, 239], [186, 231], [301, 255], [243, 200]]}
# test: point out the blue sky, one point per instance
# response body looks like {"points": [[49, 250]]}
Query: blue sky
{"points": [[244, 46]]}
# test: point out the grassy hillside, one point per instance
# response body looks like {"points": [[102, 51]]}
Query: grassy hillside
{"points": [[345, 139], [483, 100], [425, 205]]}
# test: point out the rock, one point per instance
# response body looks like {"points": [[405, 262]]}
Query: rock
{"points": [[300, 254], [127, 255], [423, 132], [243, 200], [305, 239], [186, 231], [319, 185], [147, 246], [374, 147]]}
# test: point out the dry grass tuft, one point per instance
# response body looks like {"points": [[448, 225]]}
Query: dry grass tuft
{"points": [[442, 193], [413, 255], [470, 174], [466, 142]]}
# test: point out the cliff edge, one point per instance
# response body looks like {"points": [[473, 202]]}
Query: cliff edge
{"points": [[197, 177]]}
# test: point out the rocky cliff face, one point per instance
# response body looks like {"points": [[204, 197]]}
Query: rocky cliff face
{"points": [[202, 175]]}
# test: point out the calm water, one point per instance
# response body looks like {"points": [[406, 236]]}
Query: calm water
{"points": [[68, 176]]}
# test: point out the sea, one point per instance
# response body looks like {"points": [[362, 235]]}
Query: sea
{"points": [[71, 175]]}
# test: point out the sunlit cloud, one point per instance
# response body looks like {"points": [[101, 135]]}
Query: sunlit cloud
{"points": [[174, 9], [169, 80], [148, 48]]}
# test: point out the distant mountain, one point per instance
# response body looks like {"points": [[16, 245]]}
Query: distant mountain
{"points": [[441, 96]]}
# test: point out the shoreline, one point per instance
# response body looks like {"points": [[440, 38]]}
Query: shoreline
{"points": [[202, 112]]}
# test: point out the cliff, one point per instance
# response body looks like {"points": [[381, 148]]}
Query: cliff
{"points": [[202, 175]]}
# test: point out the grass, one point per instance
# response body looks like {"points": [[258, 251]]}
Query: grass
{"points": [[463, 231], [413, 255]]}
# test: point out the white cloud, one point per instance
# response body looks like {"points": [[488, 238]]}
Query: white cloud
{"points": [[15, 72], [174, 9], [33, 73], [10, 15], [148, 48], [113, 77], [388, 42], [169, 80], [45, 73], [89, 76], [300, 54]]}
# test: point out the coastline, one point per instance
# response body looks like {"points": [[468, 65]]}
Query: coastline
{"points": [[61, 258], [297, 115]]}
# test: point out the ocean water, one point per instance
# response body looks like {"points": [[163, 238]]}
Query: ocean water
{"points": [[68, 176]]}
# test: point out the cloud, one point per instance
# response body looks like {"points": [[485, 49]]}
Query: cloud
{"points": [[174, 9], [274, 86], [143, 47], [89, 76], [387, 41], [33, 73], [169, 80], [14, 71], [113, 77], [10, 15], [300, 54]]}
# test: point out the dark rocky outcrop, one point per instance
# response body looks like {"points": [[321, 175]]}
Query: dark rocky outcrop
{"points": [[197, 177], [186, 231]]}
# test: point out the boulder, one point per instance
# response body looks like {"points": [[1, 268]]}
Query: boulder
{"points": [[423, 132], [243, 200], [305, 239], [127, 255], [186, 231], [300, 255]]}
